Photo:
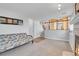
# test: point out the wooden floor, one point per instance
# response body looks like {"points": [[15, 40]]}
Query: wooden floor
{"points": [[39, 39], [42, 47]]}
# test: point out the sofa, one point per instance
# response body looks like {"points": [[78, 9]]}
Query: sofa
{"points": [[9, 41]]}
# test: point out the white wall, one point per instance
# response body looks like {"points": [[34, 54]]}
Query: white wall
{"points": [[31, 26], [57, 34], [7, 29], [72, 37], [37, 28], [72, 40]]}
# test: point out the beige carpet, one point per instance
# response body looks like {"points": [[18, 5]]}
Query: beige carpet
{"points": [[46, 47]]}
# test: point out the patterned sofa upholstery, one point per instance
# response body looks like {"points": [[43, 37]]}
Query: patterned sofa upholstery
{"points": [[9, 41]]}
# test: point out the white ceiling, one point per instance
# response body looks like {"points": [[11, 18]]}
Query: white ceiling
{"points": [[39, 10]]}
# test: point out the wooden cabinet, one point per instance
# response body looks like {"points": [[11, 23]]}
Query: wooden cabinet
{"points": [[77, 8], [76, 45]]}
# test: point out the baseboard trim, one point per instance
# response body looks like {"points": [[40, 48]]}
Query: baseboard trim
{"points": [[57, 39]]}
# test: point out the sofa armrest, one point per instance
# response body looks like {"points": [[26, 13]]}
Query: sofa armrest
{"points": [[30, 37]]}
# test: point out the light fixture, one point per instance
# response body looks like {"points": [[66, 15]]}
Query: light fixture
{"points": [[59, 5], [59, 8]]}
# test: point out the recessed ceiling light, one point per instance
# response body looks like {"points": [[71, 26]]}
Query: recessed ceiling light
{"points": [[59, 5], [59, 8]]}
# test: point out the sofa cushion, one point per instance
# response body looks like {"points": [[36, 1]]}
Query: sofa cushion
{"points": [[9, 41]]}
